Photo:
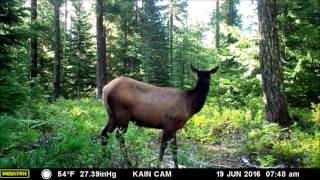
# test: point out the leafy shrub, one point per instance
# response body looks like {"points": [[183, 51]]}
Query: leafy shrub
{"points": [[64, 134], [316, 114], [313, 154], [271, 145], [8, 132], [261, 141]]}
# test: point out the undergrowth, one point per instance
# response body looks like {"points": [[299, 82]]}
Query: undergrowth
{"points": [[65, 134]]}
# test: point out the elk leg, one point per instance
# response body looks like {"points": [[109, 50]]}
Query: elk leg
{"points": [[121, 140], [109, 128], [166, 136], [174, 151]]}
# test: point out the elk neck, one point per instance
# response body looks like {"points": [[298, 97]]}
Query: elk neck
{"points": [[197, 96]]}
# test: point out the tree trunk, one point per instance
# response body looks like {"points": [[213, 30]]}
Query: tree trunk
{"points": [[65, 26], [171, 37], [135, 64], [136, 15], [64, 48], [284, 30], [101, 49], [217, 26], [126, 63], [57, 51], [34, 41], [272, 78], [230, 13], [230, 18]]}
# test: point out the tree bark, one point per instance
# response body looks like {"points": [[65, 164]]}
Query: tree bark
{"points": [[285, 30], [57, 50], [171, 37], [126, 64], [272, 78], [65, 26], [34, 41], [230, 13], [217, 26], [101, 49]]}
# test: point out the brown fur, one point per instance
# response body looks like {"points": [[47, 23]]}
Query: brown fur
{"points": [[164, 108]]}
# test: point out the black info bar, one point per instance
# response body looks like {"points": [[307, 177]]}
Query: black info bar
{"points": [[127, 174]]}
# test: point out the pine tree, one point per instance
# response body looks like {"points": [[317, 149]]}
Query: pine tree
{"points": [[155, 45], [13, 90], [45, 20], [124, 37], [229, 14], [80, 79], [128, 38], [34, 41], [175, 15], [225, 15], [299, 31]]}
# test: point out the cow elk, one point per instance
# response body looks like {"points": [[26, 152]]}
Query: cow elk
{"points": [[146, 105]]}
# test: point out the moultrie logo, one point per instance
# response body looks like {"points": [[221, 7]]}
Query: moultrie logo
{"points": [[14, 173]]}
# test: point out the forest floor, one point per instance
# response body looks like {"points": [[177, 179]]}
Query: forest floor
{"points": [[226, 153], [65, 134], [221, 155], [225, 156]]}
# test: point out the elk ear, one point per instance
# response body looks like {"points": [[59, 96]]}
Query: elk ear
{"points": [[214, 70], [193, 69]]}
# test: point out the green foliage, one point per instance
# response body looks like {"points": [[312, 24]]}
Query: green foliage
{"points": [[154, 47], [45, 48], [8, 132], [188, 50], [238, 82], [316, 114], [298, 24], [271, 145], [313, 158], [229, 12], [229, 18], [79, 79], [200, 122], [216, 123], [53, 135], [13, 92], [125, 39], [137, 46], [142, 148], [142, 44], [64, 134]]}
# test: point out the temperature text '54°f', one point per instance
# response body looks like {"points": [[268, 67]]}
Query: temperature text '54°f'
{"points": [[66, 173]]}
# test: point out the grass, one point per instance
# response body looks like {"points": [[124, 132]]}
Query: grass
{"points": [[64, 134]]}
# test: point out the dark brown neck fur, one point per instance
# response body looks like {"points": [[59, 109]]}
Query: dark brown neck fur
{"points": [[197, 96]]}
